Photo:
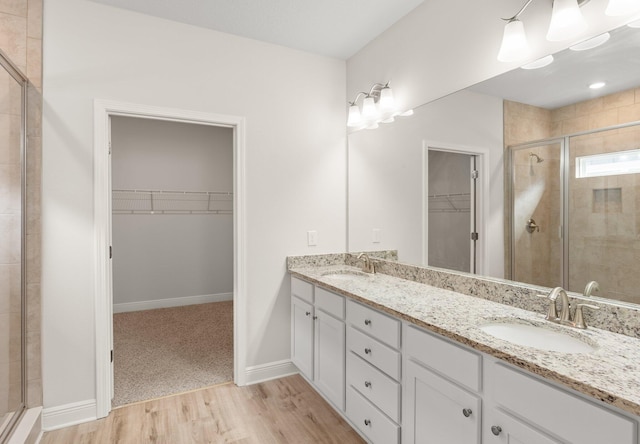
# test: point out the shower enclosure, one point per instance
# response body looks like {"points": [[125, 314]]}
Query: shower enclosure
{"points": [[575, 211], [12, 305]]}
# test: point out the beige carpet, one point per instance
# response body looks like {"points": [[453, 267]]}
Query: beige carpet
{"points": [[171, 350]]}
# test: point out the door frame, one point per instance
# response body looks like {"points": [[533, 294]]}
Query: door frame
{"points": [[482, 201], [103, 296]]}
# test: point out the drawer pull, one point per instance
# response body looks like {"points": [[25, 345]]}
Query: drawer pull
{"points": [[367, 422], [496, 430], [367, 384], [467, 412], [367, 322], [367, 351], [307, 313]]}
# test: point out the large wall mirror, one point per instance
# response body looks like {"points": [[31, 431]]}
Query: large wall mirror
{"points": [[531, 176]]}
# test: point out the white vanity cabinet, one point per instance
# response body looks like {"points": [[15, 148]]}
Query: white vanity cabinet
{"points": [[528, 410], [373, 373], [318, 338], [440, 385]]}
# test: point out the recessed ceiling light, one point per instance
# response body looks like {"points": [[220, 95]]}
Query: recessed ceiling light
{"points": [[597, 85], [591, 43], [540, 63], [634, 24]]}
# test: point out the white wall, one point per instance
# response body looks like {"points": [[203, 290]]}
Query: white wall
{"points": [[158, 256], [447, 45], [294, 105], [385, 174]]}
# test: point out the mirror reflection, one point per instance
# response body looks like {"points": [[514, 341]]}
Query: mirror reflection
{"points": [[544, 176]]}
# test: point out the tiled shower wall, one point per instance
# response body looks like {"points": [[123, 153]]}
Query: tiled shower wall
{"points": [[21, 42], [604, 211]]}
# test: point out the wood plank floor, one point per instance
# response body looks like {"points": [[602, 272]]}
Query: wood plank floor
{"points": [[285, 410]]}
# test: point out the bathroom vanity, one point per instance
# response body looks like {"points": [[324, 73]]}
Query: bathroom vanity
{"points": [[408, 362]]}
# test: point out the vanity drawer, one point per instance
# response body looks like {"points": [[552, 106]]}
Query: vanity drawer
{"points": [[330, 302], [302, 289], [374, 323], [571, 418], [457, 363], [373, 351], [370, 421], [374, 385]]}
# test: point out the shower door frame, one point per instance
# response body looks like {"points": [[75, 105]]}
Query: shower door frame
{"points": [[565, 148], [22, 80]]}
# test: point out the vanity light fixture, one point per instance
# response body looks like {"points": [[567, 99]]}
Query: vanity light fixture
{"points": [[378, 106], [566, 23]]}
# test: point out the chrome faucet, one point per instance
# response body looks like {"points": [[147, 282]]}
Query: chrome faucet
{"points": [[368, 266], [591, 287]]}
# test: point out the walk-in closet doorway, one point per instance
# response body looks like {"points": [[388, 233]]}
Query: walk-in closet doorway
{"points": [[169, 236], [172, 257]]}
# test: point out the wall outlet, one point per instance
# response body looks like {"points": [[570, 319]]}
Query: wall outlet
{"points": [[312, 238], [376, 236]]}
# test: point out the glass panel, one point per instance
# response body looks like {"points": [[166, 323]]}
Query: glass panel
{"points": [[537, 215], [11, 350], [604, 217]]}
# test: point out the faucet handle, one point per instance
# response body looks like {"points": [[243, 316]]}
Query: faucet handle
{"points": [[552, 312], [579, 317]]}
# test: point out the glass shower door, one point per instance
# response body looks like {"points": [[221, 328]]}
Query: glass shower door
{"points": [[536, 225], [11, 248], [604, 212]]}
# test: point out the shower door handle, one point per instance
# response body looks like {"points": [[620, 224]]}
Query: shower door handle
{"points": [[532, 226]]}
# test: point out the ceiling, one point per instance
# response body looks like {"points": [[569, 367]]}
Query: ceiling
{"points": [[566, 80], [335, 28]]}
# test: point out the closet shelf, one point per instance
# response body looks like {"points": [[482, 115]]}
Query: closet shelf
{"points": [[171, 202], [450, 203]]}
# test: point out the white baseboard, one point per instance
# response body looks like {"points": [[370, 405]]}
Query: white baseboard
{"points": [[272, 370], [69, 414], [172, 302]]}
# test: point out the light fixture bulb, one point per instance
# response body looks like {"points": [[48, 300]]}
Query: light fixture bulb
{"points": [[540, 63], [566, 21], [369, 109], [591, 43], [386, 103], [622, 7], [514, 43], [355, 118]]}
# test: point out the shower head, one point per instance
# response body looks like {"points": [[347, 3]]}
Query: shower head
{"points": [[538, 158]]}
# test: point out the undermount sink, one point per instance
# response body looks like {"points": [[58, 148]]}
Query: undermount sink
{"points": [[537, 336], [346, 273]]}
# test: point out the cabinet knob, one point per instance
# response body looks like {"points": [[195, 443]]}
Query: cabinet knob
{"points": [[367, 351], [496, 430], [315, 317], [367, 422], [307, 313], [467, 412], [367, 384], [367, 322]]}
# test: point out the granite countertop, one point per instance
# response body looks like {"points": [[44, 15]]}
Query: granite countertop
{"points": [[611, 373]]}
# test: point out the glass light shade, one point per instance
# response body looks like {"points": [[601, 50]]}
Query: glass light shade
{"points": [[591, 43], [514, 43], [407, 113], [355, 118], [369, 109], [622, 7], [566, 21], [387, 103]]}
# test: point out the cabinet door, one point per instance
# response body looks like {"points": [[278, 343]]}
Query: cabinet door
{"points": [[504, 429], [330, 357], [436, 411], [302, 336]]}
